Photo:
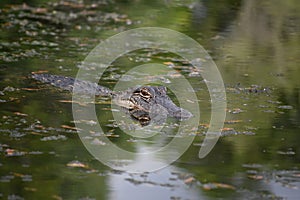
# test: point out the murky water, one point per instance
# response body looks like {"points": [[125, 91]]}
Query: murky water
{"points": [[256, 48]]}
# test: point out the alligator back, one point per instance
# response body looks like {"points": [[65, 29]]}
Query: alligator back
{"points": [[67, 83]]}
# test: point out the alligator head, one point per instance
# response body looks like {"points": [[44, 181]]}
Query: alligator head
{"points": [[146, 103]]}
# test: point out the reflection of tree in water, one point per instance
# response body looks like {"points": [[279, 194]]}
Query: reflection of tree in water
{"points": [[263, 44]]}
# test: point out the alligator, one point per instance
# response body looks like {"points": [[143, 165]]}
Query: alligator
{"points": [[142, 103]]}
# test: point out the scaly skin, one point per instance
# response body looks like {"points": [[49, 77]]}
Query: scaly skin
{"points": [[140, 102]]}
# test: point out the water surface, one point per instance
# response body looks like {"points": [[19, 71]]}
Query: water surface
{"points": [[256, 48]]}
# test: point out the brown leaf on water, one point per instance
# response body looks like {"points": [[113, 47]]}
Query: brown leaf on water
{"points": [[13, 152], [227, 129], [7, 24], [211, 186], [169, 63], [72, 5], [57, 197], [232, 121], [9, 152], [204, 125], [31, 89], [35, 133], [70, 127], [256, 177], [112, 135], [18, 175], [20, 114], [40, 10], [189, 180], [70, 101], [76, 163], [40, 126], [40, 72], [66, 101]]}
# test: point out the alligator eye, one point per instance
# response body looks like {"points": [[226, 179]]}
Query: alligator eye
{"points": [[144, 120], [145, 93]]}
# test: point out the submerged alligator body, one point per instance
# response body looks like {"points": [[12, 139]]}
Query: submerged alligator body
{"points": [[143, 103]]}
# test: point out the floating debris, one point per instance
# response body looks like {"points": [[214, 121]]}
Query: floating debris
{"points": [[25, 177], [147, 182], [56, 197], [189, 180], [35, 152], [54, 137], [96, 141], [228, 131], [256, 89], [30, 189], [14, 197], [76, 163], [30, 89], [6, 178], [89, 122], [256, 177], [16, 134], [77, 102], [9, 89], [289, 152], [40, 72], [14, 152], [274, 102], [252, 166], [235, 111], [211, 186], [232, 131], [232, 121], [20, 114], [286, 107], [246, 133], [70, 127]]}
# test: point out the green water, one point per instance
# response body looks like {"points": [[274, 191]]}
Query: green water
{"points": [[255, 44]]}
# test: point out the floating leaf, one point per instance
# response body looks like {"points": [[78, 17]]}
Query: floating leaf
{"points": [[39, 72], [50, 138], [21, 114], [189, 180], [31, 89], [211, 186], [76, 163], [70, 127], [256, 177], [235, 111], [286, 107], [13, 152], [232, 121], [30, 189]]}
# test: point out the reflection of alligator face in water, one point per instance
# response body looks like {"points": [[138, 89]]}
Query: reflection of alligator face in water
{"points": [[143, 103]]}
